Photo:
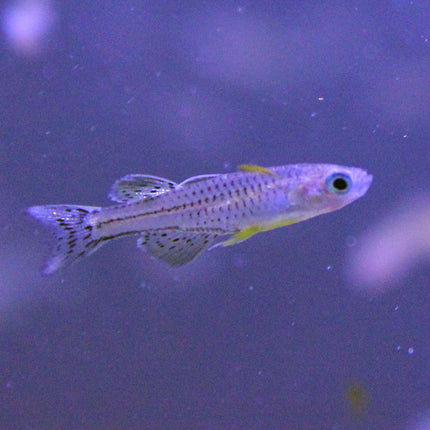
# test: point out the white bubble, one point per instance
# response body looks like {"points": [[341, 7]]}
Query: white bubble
{"points": [[351, 241]]}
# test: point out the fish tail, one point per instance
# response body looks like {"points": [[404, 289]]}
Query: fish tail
{"points": [[72, 232]]}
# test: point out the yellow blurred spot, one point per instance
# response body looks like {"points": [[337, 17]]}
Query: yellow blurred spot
{"points": [[358, 399]]}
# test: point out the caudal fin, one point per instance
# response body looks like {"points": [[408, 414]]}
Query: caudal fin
{"points": [[72, 232]]}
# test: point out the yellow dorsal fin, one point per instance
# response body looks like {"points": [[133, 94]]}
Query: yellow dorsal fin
{"points": [[255, 169]]}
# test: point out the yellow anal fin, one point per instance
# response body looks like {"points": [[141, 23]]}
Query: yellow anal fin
{"points": [[255, 169], [240, 236], [248, 232]]}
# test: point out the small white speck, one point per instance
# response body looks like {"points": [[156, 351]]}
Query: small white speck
{"points": [[405, 136], [320, 99], [398, 348], [313, 114], [329, 267], [47, 132], [396, 308], [411, 350], [240, 9]]}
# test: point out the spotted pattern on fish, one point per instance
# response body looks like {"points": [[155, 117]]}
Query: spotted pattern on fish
{"points": [[176, 222]]}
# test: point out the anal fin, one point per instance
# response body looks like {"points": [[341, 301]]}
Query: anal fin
{"points": [[239, 236], [175, 247], [249, 231]]}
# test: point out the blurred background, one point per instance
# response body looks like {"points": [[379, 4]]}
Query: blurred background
{"points": [[321, 325]]}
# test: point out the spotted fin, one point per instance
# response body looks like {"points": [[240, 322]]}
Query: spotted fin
{"points": [[255, 169], [136, 187], [72, 232], [175, 247]]}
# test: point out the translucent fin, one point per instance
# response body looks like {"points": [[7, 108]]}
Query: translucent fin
{"points": [[137, 187], [175, 247], [195, 179], [255, 169], [72, 232]]}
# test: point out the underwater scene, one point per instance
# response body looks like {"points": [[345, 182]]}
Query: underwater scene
{"points": [[215, 215]]}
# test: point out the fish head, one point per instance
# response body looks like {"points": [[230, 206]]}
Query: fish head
{"points": [[323, 188]]}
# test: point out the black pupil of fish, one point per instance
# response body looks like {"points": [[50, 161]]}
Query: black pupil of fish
{"points": [[340, 184]]}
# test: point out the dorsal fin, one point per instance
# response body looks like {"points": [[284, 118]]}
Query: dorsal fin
{"points": [[137, 187], [255, 169], [195, 179]]}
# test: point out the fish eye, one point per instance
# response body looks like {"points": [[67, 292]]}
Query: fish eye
{"points": [[338, 183]]}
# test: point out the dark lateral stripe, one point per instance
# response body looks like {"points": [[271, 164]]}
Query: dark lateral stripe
{"points": [[182, 206], [126, 218], [218, 231]]}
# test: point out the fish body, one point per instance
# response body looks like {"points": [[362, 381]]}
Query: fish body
{"points": [[176, 222]]}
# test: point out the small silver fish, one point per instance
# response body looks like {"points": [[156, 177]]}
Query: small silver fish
{"points": [[176, 222]]}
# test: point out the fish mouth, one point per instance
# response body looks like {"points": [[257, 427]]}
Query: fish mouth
{"points": [[368, 179], [365, 182]]}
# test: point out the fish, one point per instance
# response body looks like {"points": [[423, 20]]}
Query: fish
{"points": [[176, 222]]}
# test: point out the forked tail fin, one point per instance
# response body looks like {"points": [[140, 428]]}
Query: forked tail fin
{"points": [[72, 232]]}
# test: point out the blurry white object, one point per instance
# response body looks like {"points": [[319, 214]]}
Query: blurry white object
{"points": [[392, 247], [27, 25]]}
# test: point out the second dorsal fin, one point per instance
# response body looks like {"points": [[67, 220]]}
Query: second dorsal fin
{"points": [[195, 179], [136, 187]]}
